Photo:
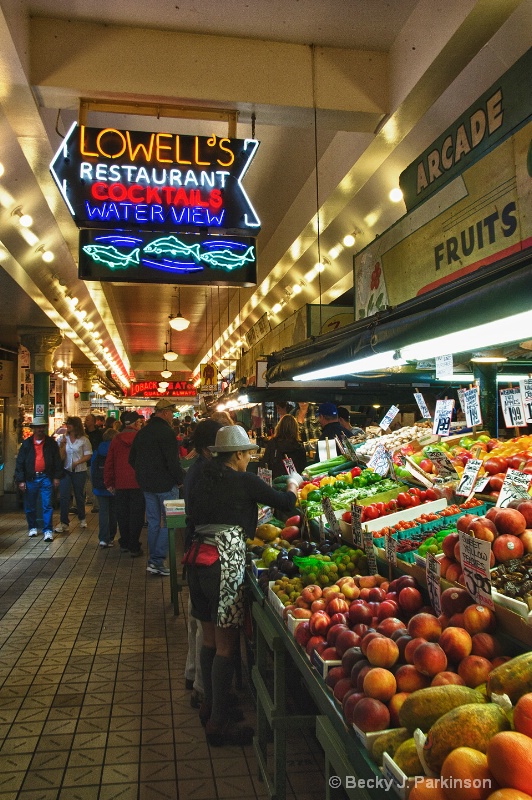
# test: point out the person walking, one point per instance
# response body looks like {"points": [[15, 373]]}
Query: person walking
{"points": [[119, 478], [154, 456], [107, 521], [94, 434], [216, 567], [38, 469], [77, 451]]}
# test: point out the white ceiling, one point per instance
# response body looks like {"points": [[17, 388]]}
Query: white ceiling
{"points": [[439, 60]]}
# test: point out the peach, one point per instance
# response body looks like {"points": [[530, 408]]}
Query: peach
{"points": [[463, 523], [350, 658], [402, 642], [357, 667], [500, 660], [334, 675], [523, 715], [410, 600], [345, 640], [370, 715], [429, 659], [456, 643], [380, 684], [351, 698], [389, 625], [448, 544], [445, 563], [456, 621], [338, 605], [479, 619], [510, 520], [319, 605], [445, 678], [525, 509], [411, 647], [361, 676], [526, 539], [485, 645], [474, 670], [368, 638], [330, 591], [394, 706], [408, 679], [301, 613], [454, 571], [367, 581], [382, 652], [341, 688], [483, 528], [425, 626]]}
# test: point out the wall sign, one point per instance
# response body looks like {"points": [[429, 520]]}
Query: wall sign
{"points": [[174, 389], [137, 180], [173, 258]]}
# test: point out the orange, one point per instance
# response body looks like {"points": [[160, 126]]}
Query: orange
{"points": [[523, 715], [510, 760], [509, 794], [427, 789], [466, 775]]}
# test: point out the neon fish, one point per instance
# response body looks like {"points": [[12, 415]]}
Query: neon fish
{"points": [[112, 257], [227, 259], [169, 245]]}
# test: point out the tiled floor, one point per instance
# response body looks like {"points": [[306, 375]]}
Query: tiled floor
{"points": [[92, 697]]}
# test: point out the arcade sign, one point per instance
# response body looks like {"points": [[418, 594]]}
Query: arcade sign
{"points": [[147, 257], [174, 389], [136, 180]]}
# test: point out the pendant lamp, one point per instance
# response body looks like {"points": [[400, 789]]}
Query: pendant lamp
{"points": [[169, 355], [179, 323]]}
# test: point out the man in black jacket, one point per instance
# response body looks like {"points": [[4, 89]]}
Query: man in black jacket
{"points": [[330, 425], [154, 456], [37, 470]]}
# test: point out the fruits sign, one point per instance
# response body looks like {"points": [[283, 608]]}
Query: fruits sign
{"points": [[432, 572], [475, 559], [112, 178], [442, 417], [515, 487]]}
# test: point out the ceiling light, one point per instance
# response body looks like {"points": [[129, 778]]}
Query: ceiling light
{"points": [[60, 363], [111, 398], [396, 195], [170, 355], [489, 357], [164, 384], [296, 288], [1, 169], [166, 373], [276, 308], [349, 240], [46, 255], [24, 219], [179, 323], [160, 389], [386, 360]]}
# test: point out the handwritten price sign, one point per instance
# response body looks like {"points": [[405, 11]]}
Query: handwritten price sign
{"points": [[526, 396], [472, 408], [265, 474], [442, 417], [469, 477], [420, 400], [330, 516], [475, 560], [515, 487], [512, 407], [388, 418], [370, 552], [356, 516], [379, 461], [433, 571]]}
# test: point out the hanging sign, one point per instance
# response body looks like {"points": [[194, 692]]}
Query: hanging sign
{"points": [[469, 477], [526, 396], [174, 389], [176, 258], [444, 366], [472, 408], [475, 559], [379, 461], [208, 378], [420, 400], [515, 487], [512, 407], [136, 180], [461, 393], [432, 572], [442, 417], [388, 418], [289, 466]]}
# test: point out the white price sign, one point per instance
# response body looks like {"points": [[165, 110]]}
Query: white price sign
{"points": [[334, 525], [420, 400], [379, 461], [515, 487], [289, 465], [442, 417], [472, 408], [461, 393], [526, 396], [444, 466], [265, 474], [390, 549], [432, 572], [388, 418], [469, 477], [475, 559], [356, 516], [370, 552], [444, 366], [512, 407]]}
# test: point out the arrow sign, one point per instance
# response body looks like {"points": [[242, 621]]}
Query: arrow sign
{"points": [[112, 178]]}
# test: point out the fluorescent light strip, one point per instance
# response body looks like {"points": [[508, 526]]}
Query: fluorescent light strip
{"points": [[377, 361], [468, 377]]}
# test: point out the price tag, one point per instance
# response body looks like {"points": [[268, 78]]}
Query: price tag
{"points": [[390, 549], [370, 552], [481, 484], [442, 417], [444, 466], [265, 474], [333, 523], [356, 515], [432, 572], [379, 462], [472, 408], [512, 407], [420, 400], [289, 465], [526, 396], [469, 477], [388, 418], [515, 487], [461, 393], [475, 559], [326, 449], [265, 515], [444, 366]]}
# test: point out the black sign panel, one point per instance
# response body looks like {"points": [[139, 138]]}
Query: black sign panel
{"points": [[173, 258], [136, 180]]}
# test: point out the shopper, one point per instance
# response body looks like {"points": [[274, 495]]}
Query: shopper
{"points": [[309, 427], [38, 470], [107, 504], [285, 443], [154, 456], [94, 434], [77, 451], [119, 477], [344, 420], [204, 437], [222, 417], [216, 566]]}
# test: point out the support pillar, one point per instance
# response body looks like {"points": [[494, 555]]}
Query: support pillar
{"points": [[42, 344], [86, 375], [486, 377]]}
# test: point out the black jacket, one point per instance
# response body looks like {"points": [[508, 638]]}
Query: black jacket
{"points": [[275, 451], [25, 464], [154, 456]]}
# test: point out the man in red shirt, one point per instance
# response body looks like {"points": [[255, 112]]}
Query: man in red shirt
{"points": [[38, 470]]}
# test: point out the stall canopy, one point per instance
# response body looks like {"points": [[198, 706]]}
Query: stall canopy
{"points": [[498, 292]]}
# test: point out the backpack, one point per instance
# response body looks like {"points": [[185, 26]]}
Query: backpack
{"points": [[97, 471]]}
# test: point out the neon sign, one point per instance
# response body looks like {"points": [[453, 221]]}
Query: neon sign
{"points": [[111, 178], [167, 258], [174, 389]]}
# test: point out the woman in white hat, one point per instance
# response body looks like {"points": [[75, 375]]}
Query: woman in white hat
{"points": [[223, 510]]}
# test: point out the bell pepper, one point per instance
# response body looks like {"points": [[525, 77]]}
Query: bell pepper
{"points": [[327, 481], [355, 472]]}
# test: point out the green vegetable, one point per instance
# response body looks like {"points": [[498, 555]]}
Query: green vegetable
{"points": [[323, 467]]}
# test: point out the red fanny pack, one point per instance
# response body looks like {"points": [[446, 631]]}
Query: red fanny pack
{"points": [[201, 556]]}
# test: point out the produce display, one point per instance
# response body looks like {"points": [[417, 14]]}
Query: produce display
{"points": [[395, 440], [514, 579], [343, 489]]}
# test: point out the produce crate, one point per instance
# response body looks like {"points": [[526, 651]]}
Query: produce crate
{"points": [[517, 606], [257, 571], [322, 666], [401, 784], [390, 519], [421, 561], [293, 622], [367, 739], [274, 600]]}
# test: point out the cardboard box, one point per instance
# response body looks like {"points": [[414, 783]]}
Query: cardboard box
{"points": [[367, 739], [513, 604]]}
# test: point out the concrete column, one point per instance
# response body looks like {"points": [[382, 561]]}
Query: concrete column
{"points": [[486, 375], [42, 344], [87, 374]]}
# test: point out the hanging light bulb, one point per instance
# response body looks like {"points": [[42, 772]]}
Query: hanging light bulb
{"points": [[179, 323], [169, 355], [164, 384]]}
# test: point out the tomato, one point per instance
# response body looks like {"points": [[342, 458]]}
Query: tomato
{"points": [[404, 499], [432, 494], [391, 506], [346, 516], [293, 521], [415, 500], [371, 512], [355, 472], [415, 491], [381, 507], [422, 496], [517, 461]]}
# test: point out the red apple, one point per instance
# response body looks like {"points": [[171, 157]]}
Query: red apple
{"points": [[525, 509], [449, 542], [483, 528], [454, 600], [506, 546], [319, 623], [511, 521]]}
